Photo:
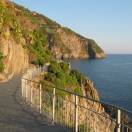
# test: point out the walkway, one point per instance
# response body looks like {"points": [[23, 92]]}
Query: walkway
{"points": [[13, 116]]}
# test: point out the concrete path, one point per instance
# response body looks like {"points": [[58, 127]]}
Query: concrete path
{"points": [[13, 116]]}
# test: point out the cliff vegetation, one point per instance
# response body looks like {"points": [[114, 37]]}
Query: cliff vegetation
{"points": [[1, 63], [62, 77], [28, 38], [31, 38]]}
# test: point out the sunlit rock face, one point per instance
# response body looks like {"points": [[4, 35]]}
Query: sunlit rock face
{"points": [[75, 46], [20, 28], [15, 57]]}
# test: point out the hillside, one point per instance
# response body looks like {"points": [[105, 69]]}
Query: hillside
{"points": [[27, 37]]}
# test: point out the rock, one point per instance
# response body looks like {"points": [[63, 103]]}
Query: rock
{"points": [[15, 57], [76, 46]]}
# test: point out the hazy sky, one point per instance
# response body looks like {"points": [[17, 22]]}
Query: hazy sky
{"points": [[109, 22]]}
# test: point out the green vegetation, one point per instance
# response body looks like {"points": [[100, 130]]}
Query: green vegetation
{"points": [[36, 39], [80, 77], [84, 127], [38, 31], [7, 19], [5, 16], [16, 31], [62, 77], [38, 34], [93, 48], [78, 90], [1, 62], [92, 45], [39, 52]]}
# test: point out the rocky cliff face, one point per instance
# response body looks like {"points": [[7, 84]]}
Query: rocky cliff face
{"points": [[27, 37], [15, 56], [91, 115], [25, 34], [97, 123], [87, 111], [76, 46]]}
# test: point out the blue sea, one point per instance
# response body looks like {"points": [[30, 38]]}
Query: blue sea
{"points": [[112, 78]]}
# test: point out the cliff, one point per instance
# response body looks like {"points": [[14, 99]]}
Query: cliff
{"points": [[76, 46], [30, 38], [59, 75], [27, 37], [15, 57]]}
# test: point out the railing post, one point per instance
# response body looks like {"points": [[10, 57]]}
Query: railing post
{"points": [[53, 107], [22, 86], [118, 120], [76, 113], [26, 89], [40, 98], [31, 94]]}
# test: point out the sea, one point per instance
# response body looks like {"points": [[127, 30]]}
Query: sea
{"points": [[112, 78]]}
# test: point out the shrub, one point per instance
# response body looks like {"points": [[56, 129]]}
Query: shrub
{"points": [[64, 67], [80, 78], [54, 67], [50, 77], [1, 62], [71, 80], [38, 48], [78, 91], [1, 66], [63, 78], [84, 127], [59, 83], [16, 30]]}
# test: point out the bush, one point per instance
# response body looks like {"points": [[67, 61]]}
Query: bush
{"points": [[1, 67], [59, 74], [1, 62], [84, 127], [16, 30], [54, 67], [50, 77], [38, 48], [64, 67], [80, 78], [71, 80], [78, 91]]}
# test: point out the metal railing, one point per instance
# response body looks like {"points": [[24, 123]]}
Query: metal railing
{"points": [[74, 112]]}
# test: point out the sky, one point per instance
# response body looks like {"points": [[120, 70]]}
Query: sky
{"points": [[108, 22]]}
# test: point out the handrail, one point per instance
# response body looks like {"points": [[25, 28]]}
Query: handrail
{"points": [[96, 101], [127, 126], [113, 115]]}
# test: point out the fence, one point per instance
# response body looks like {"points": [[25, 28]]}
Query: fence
{"points": [[73, 112]]}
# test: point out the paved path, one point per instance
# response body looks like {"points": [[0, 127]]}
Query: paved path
{"points": [[13, 116]]}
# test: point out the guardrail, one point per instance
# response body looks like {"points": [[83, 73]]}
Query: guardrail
{"points": [[71, 110]]}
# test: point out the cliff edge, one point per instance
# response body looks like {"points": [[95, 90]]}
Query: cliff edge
{"points": [[27, 37]]}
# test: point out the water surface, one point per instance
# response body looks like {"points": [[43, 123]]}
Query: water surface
{"points": [[111, 76]]}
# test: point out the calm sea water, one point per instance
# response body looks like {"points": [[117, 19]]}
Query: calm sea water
{"points": [[111, 76]]}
